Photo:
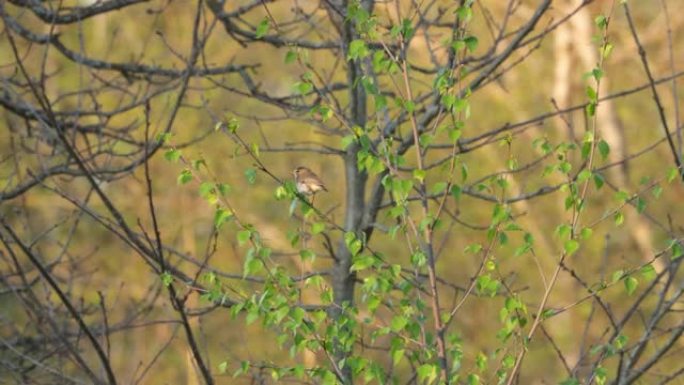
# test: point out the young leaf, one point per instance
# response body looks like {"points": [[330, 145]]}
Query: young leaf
{"points": [[172, 155], [603, 148], [262, 28], [598, 181], [166, 278], [471, 42], [631, 284], [571, 246], [243, 236], [221, 216], [648, 272], [317, 228], [357, 50], [250, 174], [307, 255], [672, 174], [185, 176], [290, 56]]}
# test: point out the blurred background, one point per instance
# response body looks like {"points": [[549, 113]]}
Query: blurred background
{"points": [[99, 64]]}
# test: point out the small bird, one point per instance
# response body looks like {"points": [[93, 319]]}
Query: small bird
{"points": [[307, 182]]}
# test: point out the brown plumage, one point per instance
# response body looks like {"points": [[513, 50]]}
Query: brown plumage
{"points": [[307, 182]]}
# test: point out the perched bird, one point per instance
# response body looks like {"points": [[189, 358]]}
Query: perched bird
{"points": [[307, 182]]}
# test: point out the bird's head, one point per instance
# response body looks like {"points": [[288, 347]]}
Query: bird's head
{"points": [[299, 171]]}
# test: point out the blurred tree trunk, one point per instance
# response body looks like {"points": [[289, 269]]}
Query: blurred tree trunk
{"points": [[343, 279]]}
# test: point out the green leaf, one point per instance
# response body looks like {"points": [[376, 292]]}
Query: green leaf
{"points": [[481, 361], [672, 173], [198, 163], [456, 192], [606, 50], [398, 323], [455, 134], [303, 88], [591, 93], [471, 42], [419, 175], [617, 275], [164, 137], [631, 284], [223, 188], [565, 167], [571, 246], [166, 278], [439, 187], [207, 191], [380, 101], [591, 109], [353, 244], [244, 368], [604, 149], [598, 181], [325, 112], [620, 341], [221, 216], [409, 106], [251, 266], [347, 140], [233, 125], [425, 139], [622, 196], [487, 285], [563, 230], [473, 248], [508, 361], [357, 50], [677, 249], [583, 175], [290, 56], [464, 13], [473, 379], [362, 262], [601, 21], [307, 255], [262, 28], [418, 259], [500, 213], [648, 272], [317, 228], [222, 367], [427, 372], [185, 176], [397, 355], [243, 236], [250, 174], [254, 148], [172, 155], [657, 191], [597, 73], [640, 205], [458, 45], [548, 313], [512, 164]]}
